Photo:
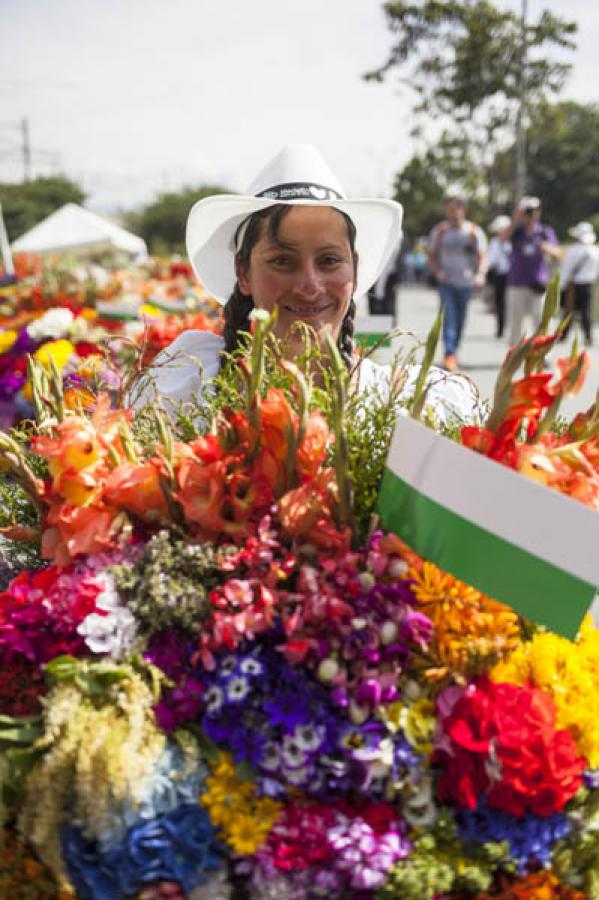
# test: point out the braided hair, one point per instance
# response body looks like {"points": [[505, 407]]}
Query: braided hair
{"points": [[239, 306]]}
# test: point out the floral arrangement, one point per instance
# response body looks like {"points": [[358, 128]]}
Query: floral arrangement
{"points": [[225, 682], [67, 316]]}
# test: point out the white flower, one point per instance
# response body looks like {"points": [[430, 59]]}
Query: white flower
{"points": [[237, 689], [54, 323], [113, 633]]}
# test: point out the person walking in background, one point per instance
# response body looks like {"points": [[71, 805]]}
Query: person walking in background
{"points": [[382, 294], [532, 245], [457, 260], [578, 273], [499, 260]]}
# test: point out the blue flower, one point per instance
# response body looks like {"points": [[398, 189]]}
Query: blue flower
{"points": [[180, 846], [530, 837], [92, 877]]}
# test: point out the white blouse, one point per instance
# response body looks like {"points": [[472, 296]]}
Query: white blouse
{"points": [[179, 372]]}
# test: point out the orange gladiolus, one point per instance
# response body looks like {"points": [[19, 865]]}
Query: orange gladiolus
{"points": [[77, 529], [136, 488], [202, 494], [566, 366], [75, 448], [305, 514], [530, 395], [312, 451], [276, 422]]}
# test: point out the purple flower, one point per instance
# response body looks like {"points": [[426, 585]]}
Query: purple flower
{"points": [[364, 856]]}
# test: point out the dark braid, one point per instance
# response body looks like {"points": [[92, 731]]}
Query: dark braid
{"points": [[237, 318], [239, 306], [346, 336]]}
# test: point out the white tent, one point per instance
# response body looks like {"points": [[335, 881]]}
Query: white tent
{"points": [[73, 229]]}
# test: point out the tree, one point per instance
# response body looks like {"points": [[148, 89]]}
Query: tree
{"points": [[563, 142], [26, 204], [467, 64], [162, 222]]}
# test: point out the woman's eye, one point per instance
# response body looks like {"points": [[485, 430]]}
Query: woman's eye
{"points": [[330, 260], [281, 261]]}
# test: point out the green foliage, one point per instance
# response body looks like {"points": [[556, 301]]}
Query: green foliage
{"points": [[26, 204], [438, 865], [162, 222], [465, 63], [580, 850], [563, 165], [168, 585], [468, 55]]}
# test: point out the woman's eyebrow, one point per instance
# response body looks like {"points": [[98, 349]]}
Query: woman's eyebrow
{"points": [[290, 245]]}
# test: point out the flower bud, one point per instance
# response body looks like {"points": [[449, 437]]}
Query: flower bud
{"points": [[366, 581], [397, 567], [327, 670], [388, 632], [358, 714]]}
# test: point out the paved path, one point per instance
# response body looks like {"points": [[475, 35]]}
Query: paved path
{"points": [[481, 354]]}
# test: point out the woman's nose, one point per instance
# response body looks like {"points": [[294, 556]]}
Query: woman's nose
{"points": [[309, 282]]}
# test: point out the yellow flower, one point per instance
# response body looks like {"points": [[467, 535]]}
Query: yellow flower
{"points": [[60, 351], [245, 835], [148, 310], [235, 807], [7, 339]]}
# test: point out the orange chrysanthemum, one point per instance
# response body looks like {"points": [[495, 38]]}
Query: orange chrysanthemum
{"points": [[470, 629], [538, 886]]}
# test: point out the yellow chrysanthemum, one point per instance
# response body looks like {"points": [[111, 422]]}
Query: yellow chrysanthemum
{"points": [[7, 340], [570, 673], [470, 629], [234, 805]]}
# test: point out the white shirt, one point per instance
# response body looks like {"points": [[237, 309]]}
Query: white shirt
{"points": [[499, 255], [179, 372], [579, 264]]}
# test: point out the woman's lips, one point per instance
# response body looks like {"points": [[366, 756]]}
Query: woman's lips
{"points": [[307, 312]]}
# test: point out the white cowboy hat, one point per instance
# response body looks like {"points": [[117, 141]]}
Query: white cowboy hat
{"points": [[583, 232], [499, 223], [297, 175]]}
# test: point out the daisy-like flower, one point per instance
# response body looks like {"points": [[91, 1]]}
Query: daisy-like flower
{"points": [[213, 700], [292, 755], [271, 757], [309, 737], [227, 666], [251, 666], [237, 689]]}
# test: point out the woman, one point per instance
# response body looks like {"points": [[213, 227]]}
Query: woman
{"points": [[293, 243], [578, 273], [499, 260]]}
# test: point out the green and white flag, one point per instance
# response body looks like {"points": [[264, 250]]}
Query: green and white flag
{"points": [[517, 541]]}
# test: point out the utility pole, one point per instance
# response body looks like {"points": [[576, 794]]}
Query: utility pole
{"points": [[26, 149], [520, 179]]}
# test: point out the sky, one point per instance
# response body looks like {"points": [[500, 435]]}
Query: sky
{"points": [[133, 97]]}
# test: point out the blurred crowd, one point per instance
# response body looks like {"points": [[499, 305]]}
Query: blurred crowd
{"points": [[511, 262]]}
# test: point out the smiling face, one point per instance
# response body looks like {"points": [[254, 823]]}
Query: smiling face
{"points": [[306, 270]]}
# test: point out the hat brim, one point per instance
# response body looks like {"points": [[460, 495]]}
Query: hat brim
{"points": [[587, 237], [213, 221]]}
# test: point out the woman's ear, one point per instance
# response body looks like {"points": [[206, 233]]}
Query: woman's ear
{"points": [[242, 280]]}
